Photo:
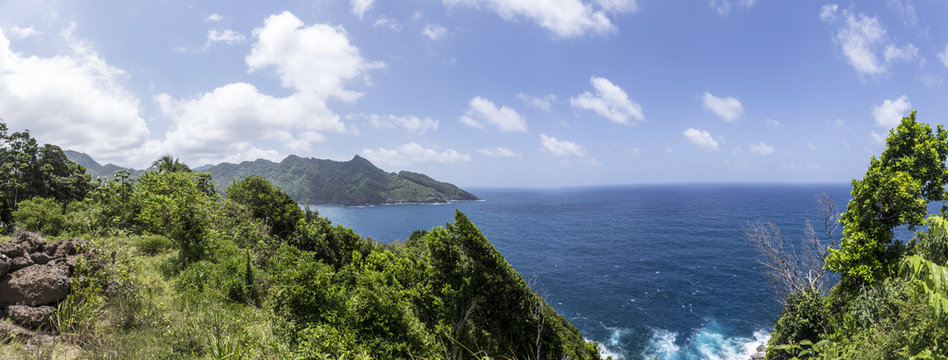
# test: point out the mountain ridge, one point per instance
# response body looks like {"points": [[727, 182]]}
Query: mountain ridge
{"points": [[318, 181]]}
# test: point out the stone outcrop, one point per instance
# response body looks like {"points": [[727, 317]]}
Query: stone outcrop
{"points": [[34, 278]]}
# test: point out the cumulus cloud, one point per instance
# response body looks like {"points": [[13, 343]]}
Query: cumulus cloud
{"points": [[213, 18], [728, 108], [497, 152], [238, 122], [561, 147], [701, 138], [359, 7], [21, 33], [564, 18], [481, 110], [890, 113], [723, 7], [74, 99], [761, 149], [861, 38], [435, 31], [412, 153], [317, 58], [409, 122], [543, 103], [610, 101], [226, 36]]}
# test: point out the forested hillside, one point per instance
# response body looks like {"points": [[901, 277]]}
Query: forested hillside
{"points": [[320, 182], [172, 269], [891, 301]]}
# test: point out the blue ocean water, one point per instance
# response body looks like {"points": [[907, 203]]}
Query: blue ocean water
{"points": [[648, 270]]}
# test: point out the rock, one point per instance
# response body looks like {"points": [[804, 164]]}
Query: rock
{"points": [[11, 249], [65, 247], [20, 262], [30, 242], [71, 262], [39, 258], [4, 265], [30, 317], [34, 285]]}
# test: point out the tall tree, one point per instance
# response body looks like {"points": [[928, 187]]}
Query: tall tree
{"points": [[895, 191], [170, 164]]}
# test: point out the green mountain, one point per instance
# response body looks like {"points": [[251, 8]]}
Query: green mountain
{"points": [[318, 181], [98, 170], [353, 182]]}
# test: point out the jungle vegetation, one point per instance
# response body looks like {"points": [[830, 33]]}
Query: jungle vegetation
{"points": [[249, 274]]}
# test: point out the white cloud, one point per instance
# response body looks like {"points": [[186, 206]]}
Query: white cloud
{"points": [[774, 123], [238, 122], [233, 119], [228, 36], [727, 108], [877, 138], [409, 122], [483, 110], [761, 149], [565, 18], [391, 23], [723, 7], [561, 147], [931, 80], [214, 18], [412, 153], [74, 99], [610, 101], [943, 56], [701, 138], [545, 103], [317, 58], [359, 7], [811, 146], [861, 37], [21, 33], [890, 113], [905, 10], [905, 53], [498, 152], [435, 31]]}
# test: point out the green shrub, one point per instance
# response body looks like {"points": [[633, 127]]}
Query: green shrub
{"points": [[805, 317], [43, 215], [153, 244]]}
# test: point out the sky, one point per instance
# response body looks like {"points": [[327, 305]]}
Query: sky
{"points": [[481, 93]]}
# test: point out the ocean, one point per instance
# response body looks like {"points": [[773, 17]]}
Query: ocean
{"points": [[646, 271]]}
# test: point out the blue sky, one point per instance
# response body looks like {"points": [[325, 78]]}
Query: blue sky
{"points": [[482, 92]]}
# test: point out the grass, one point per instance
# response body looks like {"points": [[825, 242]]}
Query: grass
{"points": [[150, 319]]}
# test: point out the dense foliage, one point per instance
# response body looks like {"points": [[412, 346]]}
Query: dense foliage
{"points": [[250, 274], [892, 299]]}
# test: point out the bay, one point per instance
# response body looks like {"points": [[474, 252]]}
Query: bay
{"points": [[646, 270]]}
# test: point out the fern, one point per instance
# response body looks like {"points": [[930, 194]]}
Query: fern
{"points": [[933, 282]]}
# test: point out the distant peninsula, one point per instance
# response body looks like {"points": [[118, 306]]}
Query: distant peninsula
{"points": [[317, 181]]}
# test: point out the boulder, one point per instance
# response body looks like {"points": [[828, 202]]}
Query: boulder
{"points": [[34, 285], [39, 258], [11, 249], [30, 317], [64, 248], [20, 262], [31, 242], [4, 265]]}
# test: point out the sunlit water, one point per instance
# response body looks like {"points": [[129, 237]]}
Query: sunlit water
{"points": [[646, 271]]}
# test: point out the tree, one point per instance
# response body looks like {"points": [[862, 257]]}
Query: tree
{"points": [[266, 202], [170, 164], [795, 268], [895, 191], [175, 205]]}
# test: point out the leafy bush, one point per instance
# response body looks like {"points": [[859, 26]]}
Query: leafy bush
{"points": [[153, 244], [175, 204], [805, 317], [43, 215]]}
